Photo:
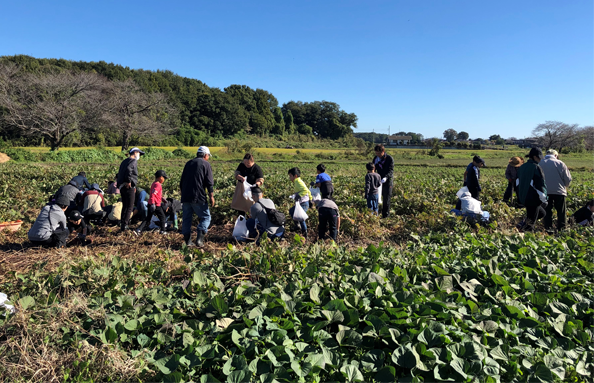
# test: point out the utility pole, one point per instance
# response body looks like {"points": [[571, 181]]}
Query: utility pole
{"points": [[373, 136]]}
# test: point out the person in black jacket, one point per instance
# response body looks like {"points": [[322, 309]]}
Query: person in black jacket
{"points": [[127, 180], [195, 180], [472, 176], [384, 166]]}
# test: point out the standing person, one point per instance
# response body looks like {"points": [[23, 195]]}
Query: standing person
{"points": [[81, 181], [154, 203], [557, 179], [260, 221], [384, 166], [93, 204], [532, 189], [127, 179], [372, 184], [329, 219], [50, 227], [248, 171], [472, 176], [196, 179], [324, 182], [511, 173], [302, 196]]}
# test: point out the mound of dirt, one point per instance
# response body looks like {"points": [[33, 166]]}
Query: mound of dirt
{"points": [[4, 158]]}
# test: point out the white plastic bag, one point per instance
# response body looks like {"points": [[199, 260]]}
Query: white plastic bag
{"points": [[247, 190], [299, 215], [541, 195], [471, 205], [316, 194], [4, 306], [379, 194], [240, 231], [462, 191]]}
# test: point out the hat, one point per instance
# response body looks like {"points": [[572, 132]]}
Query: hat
{"points": [[516, 161], [552, 152], [62, 200], [478, 160], [256, 190], [75, 215], [535, 152], [161, 173], [204, 149], [95, 187], [135, 149]]}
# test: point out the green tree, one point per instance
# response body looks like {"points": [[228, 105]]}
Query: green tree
{"points": [[463, 136], [279, 122], [450, 134], [289, 124]]}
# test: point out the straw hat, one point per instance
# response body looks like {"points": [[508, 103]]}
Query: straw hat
{"points": [[516, 161]]}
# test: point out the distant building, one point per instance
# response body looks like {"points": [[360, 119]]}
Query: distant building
{"points": [[399, 140]]}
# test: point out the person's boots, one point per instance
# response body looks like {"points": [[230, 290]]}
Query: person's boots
{"points": [[200, 238], [188, 240]]}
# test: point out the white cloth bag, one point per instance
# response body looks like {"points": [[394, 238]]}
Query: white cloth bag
{"points": [[471, 205], [240, 231], [247, 191], [462, 191], [299, 215]]}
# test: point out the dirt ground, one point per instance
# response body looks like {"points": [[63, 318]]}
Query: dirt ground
{"points": [[4, 158]]}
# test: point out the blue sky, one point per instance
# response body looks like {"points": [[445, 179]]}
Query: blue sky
{"points": [[485, 67]]}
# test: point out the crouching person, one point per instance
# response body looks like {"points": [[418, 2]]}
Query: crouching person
{"points": [[50, 227], [585, 215], [329, 219], [77, 224], [264, 217]]}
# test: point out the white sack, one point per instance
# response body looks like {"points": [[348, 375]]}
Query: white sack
{"points": [[299, 215], [240, 231]]}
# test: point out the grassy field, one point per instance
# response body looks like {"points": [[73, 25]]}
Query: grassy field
{"points": [[421, 296]]}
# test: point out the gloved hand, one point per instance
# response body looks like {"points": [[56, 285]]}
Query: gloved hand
{"points": [[293, 196], [152, 208], [82, 236], [384, 180]]}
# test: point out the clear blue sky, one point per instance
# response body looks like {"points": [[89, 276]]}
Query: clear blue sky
{"points": [[485, 67]]}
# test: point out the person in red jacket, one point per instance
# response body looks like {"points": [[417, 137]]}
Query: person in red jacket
{"points": [[154, 203]]}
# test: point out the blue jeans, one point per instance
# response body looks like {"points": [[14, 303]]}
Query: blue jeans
{"points": [[142, 206], [305, 206], [373, 202], [201, 210]]}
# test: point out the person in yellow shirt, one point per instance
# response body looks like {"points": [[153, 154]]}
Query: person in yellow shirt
{"points": [[302, 197]]}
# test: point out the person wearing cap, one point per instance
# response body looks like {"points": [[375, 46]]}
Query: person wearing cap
{"points": [[93, 204], [532, 190], [50, 227], [154, 203], [511, 173], [127, 180], [259, 221], [472, 176], [70, 191], [196, 181], [77, 224], [248, 171], [557, 179]]}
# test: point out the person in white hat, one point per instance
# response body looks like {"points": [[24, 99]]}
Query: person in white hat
{"points": [[127, 180], [196, 181]]}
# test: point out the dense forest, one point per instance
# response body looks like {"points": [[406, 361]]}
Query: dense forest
{"points": [[60, 102]]}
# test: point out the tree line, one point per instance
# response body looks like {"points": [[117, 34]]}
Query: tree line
{"points": [[58, 101]]}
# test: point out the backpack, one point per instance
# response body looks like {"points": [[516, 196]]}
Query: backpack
{"points": [[274, 216]]}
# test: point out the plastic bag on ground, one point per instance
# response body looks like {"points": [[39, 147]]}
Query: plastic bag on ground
{"points": [[299, 215], [316, 194], [462, 191], [247, 191], [4, 306], [470, 205], [240, 231]]}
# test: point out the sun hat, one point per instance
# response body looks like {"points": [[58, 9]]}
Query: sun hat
{"points": [[204, 150], [516, 161], [135, 149], [552, 152]]}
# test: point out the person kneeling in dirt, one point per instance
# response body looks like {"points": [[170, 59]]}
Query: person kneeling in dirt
{"points": [[585, 215], [49, 229], [77, 224], [264, 218], [328, 218]]}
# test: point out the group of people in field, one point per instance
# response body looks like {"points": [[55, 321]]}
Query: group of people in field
{"points": [[540, 185]]}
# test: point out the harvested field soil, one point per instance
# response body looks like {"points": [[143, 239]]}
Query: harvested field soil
{"points": [[4, 158]]}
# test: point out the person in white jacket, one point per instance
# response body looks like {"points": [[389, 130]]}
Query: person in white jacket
{"points": [[557, 179]]}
